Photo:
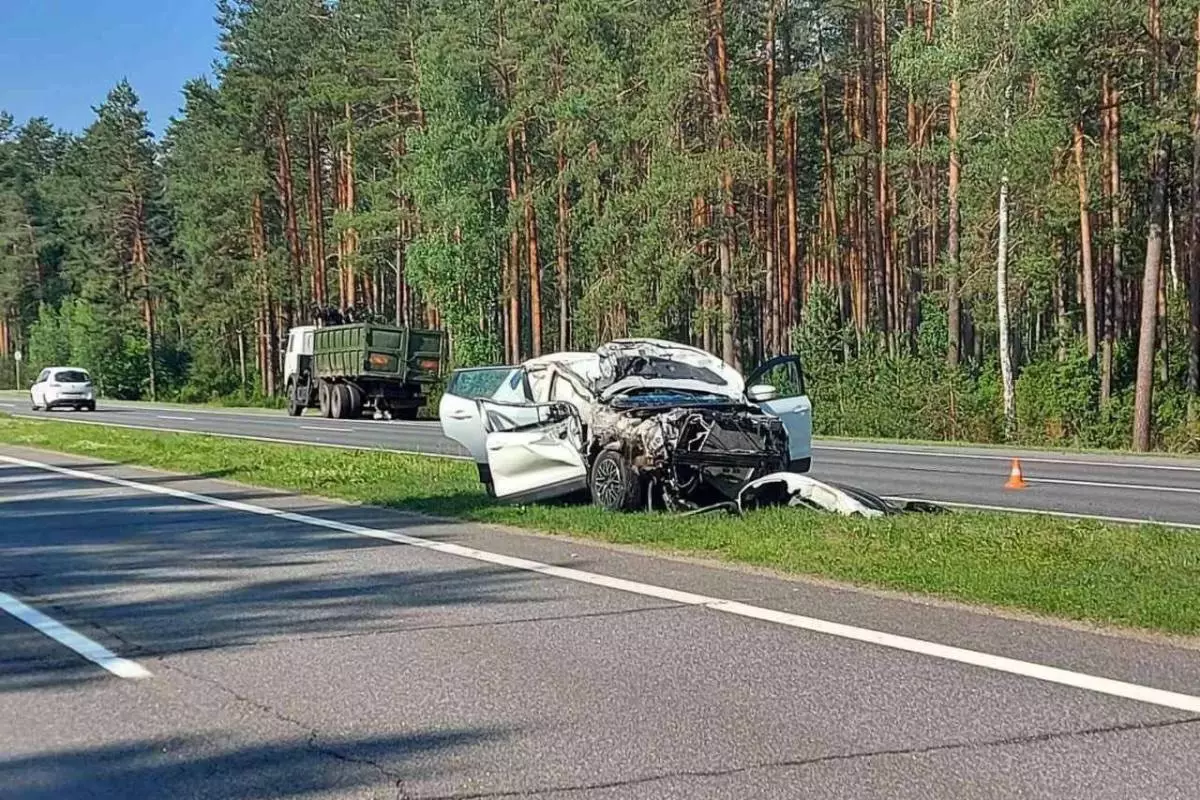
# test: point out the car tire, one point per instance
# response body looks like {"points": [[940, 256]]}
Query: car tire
{"points": [[614, 484], [339, 401], [89, 406]]}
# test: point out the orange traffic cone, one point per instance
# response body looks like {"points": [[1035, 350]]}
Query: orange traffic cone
{"points": [[1015, 479]]}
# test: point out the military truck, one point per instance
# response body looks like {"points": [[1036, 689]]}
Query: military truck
{"points": [[345, 370]]}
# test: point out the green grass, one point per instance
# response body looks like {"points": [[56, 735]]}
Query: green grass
{"points": [[1136, 576]]}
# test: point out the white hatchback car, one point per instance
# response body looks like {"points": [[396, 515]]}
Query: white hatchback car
{"points": [[58, 387]]}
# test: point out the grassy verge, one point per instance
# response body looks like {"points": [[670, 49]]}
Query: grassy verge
{"points": [[1137, 576]]}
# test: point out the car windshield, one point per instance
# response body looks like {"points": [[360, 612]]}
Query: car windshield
{"points": [[72, 376]]}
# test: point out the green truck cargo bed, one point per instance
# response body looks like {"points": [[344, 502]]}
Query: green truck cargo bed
{"points": [[378, 352]]}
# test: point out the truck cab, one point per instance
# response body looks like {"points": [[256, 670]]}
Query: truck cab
{"points": [[297, 360]]}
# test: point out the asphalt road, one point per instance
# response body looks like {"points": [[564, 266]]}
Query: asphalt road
{"points": [[347, 652], [1114, 486]]}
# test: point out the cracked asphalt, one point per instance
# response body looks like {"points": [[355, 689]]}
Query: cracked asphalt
{"points": [[294, 661]]}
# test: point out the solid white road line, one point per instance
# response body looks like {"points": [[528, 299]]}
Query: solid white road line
{"points": [[248, 437], [327, 428], [1042, 672], [92, 651], [1029, 459], [181, 419], [1063, 514], [1106, 485]]}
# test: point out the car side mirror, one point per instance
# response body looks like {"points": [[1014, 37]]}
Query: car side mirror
{"points": [[762, 393]]}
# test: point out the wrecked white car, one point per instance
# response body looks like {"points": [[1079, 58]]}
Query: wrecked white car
{"points": [[640, 423]]}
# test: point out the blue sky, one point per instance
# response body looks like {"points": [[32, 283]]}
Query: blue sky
{"points": [[59, 58]]}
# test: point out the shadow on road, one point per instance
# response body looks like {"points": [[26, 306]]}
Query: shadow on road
{"points": [[210, 768], [151, 575]]}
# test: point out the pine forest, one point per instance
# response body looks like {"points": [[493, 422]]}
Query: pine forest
{"points": [[976, 220]]}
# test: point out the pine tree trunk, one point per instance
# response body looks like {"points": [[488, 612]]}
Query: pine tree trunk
{"points": [[770, 229], [1006, 368], [954, 301], [792, 292], [876, 178], [513, 265], [1113, 305], [399, 270], [287, 196], [531, 240], [258, 253], [316, 211], [832, 250], [1085, 242], [720, 93], [1144, 392], [141, 263], [349, 238], [1193, 374], [562, 245]]}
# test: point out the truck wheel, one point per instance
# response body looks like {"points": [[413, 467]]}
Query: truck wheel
{"points": [[323, 398], [614, 484], [294, 409], [356, 401], [339, 401]]}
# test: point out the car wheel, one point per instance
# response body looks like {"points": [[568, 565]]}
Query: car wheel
{"points": [[614, 484], [90, 406]]}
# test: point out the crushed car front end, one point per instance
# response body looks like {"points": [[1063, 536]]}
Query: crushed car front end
{"points": [[682, 453]]}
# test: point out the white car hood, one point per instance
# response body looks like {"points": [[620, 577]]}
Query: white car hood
{"points": [[712, 375]]}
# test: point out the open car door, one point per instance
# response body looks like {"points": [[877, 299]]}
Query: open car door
{"points": [[790, 404], [460, 416], [535, 461]]}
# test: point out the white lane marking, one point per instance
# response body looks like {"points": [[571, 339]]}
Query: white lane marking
{"points": [[1105, 485], [324, 428], [1042, 672], [1063, 514], [1029, 459], [181, 419], [248, 437], [92, 651]]}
